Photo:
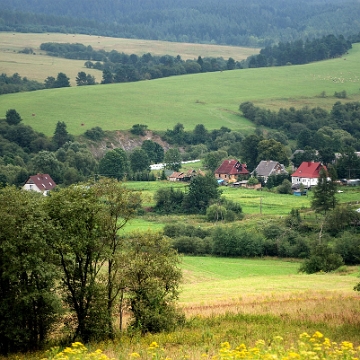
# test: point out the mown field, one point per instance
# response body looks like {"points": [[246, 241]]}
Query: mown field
{"points": [[211, 99], [40, 66]]}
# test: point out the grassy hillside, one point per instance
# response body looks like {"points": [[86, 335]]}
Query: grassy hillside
{"points": [[211, 99], [40, 66]]}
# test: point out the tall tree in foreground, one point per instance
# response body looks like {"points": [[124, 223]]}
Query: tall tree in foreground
{"points": [[79, 247], [325, 190], [28, 302], [152, 279], [88, 218]]}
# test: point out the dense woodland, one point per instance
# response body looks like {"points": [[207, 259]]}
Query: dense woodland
{"points": [[258, 23]]}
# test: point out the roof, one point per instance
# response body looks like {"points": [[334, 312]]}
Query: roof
{"points": [[232, 167], [177, 175], [308, 169], [267, 167], [43, 181]]}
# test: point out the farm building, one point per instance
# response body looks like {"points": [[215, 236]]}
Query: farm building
{"points": [[230, 170], [307, 173], [184, 176], [42, 183]]}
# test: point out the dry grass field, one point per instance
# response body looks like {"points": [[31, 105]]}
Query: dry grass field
{"points": [[40, 66]]}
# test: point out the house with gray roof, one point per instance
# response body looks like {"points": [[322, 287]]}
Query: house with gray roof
{"points": [[267, 168]]}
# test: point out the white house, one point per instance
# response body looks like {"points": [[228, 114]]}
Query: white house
{"points": [[307, 173], [42, 183]]}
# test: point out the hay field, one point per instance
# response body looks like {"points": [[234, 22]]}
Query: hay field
{"points": [[211, 99], [40, 66]]}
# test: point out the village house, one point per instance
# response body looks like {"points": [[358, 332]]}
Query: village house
{"points": [[184, 176], [230, 170], [267, 168], [307, 174], [42, 183]]}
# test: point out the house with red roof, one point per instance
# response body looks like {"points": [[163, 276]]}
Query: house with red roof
{"points": [[42, 183], [230, 170], [307, 173]]}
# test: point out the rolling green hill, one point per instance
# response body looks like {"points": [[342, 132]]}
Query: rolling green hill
{"points": [[211, 99]]}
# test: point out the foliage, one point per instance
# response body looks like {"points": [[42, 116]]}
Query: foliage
{"points": [[139, 161], [96, 133], [202, 190], [87, 219], [233, 241], [237, 24], [139, 129], [215, 213], [28, 301], [154, 151], [61, 135], [13, 117], [285, 187], [84, 79], [299, 52], [168, 200], [341, 218], [15, 83], [324, 192], [172, 159], [114, 164], [348, 247], [272, 150], [213, 159], [323, 259], [153, 278]]}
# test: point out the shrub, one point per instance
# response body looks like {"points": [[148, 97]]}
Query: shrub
{"points": [[322, 259], [96, 133]]}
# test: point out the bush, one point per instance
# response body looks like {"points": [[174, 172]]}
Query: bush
{"points": [[96, 133], [348, 247], [139, 129], [322, 259]]}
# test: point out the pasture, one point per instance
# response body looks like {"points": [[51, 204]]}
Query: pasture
{"points": [[40, 66], [259, 207], [211, 99]]}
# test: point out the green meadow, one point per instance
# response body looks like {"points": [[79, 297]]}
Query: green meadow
{"points": [[211, 99], [40, 66]]}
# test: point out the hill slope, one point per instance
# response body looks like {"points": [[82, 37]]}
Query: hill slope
{"points": [[211, 99], [235, 22]]}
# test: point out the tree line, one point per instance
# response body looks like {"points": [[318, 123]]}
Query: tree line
{"points": [[300, 52], [234, 22], [319, 136], [62, 257]]}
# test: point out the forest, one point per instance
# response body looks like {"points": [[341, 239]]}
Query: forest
{"points": [[257, 24]]}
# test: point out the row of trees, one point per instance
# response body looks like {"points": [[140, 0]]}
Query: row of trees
{"points": [[15, 83], [234, 22], [64, 256], [300, 52]]}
